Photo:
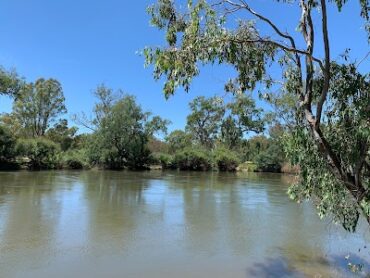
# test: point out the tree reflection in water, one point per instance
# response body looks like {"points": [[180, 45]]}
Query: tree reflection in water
{"points": [[190, 223]]}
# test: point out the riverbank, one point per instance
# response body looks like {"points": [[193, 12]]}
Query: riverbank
{"points": [[248, 166], [251, 167]]}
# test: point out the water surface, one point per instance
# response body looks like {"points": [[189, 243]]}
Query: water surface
{"points": [[166, 224]]}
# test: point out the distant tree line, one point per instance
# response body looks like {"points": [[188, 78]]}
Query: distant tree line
{"points": [[217, 136], [35, 135]]}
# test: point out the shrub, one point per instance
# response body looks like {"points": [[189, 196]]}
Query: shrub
{"points": [[75, 159], [193, 159], [247, 166], [225, 159], [267, 162], [289, 168], [7, 145], [39, 153], [167, 161]]}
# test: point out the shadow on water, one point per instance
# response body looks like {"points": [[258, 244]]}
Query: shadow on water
{"points": [[333, 266], [273, 267]]}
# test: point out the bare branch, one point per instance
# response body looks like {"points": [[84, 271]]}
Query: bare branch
{"points": [[363, 59], [82, 120]]}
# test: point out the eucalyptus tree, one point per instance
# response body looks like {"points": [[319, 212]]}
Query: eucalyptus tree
{"points": [[212, 118], [38, 105], [247, 115], [242, 117], [106, 97], [178, 140], [331, 141], [121, 131], [231, 133], [205, 119]]}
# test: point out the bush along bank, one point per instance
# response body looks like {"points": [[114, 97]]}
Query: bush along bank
{"points": [[42, 153], [35, 135]]}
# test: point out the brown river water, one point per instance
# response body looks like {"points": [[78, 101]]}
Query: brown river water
{"points": [[167, 224]]}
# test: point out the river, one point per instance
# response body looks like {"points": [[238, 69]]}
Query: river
{"points": [[166, 224]]}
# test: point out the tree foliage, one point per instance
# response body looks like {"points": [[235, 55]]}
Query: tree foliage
{"points": [[205, 119], [38, 105], [10, 83], [225, 159], [212, 119], [63, 134], [329, 134], [231, 133], [347, 126], [178, 140], [41, 153], [122, 133], [7, 145], [195, 158]]}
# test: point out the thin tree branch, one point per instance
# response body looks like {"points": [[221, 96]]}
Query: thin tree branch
{"points": [[274, 26], [362, 60], [82, 120], [281, 46]]}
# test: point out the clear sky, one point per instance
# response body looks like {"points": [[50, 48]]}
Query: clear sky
{"points": [[83, 43]]}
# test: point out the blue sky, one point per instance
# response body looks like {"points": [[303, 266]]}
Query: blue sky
{"points": [[83, 43]]}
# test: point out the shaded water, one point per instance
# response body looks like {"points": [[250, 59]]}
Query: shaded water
{"points": [[166, 224]]}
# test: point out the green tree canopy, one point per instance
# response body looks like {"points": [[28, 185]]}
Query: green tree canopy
{"points": [[178, 140], [212, 118], [231, 132], [122, 133], [62, 134], [10, 83], [39, 104], [7, 144], [205, 118]]}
